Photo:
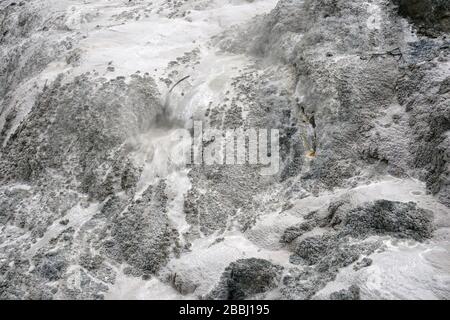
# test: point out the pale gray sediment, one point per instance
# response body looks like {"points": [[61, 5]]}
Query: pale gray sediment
{"points": [[91, 95]]}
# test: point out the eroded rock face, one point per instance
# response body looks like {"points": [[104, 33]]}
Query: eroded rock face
{"points": [[27, 32], [87, 205], [430, 16], [356, 74], [348, 240], [76, 128], [141, 235], [422, 91]]}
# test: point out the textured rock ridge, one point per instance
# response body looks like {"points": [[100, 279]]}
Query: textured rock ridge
{"points": [[94, 204]]}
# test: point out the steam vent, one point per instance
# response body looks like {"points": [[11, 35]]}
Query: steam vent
{"points": [[224, 149]]}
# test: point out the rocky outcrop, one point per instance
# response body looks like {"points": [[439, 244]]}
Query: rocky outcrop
{"points": [[352, 293], [245, 278], [348, 240], [378, 101], [89, 202], [141, 235], [430, 16], [422, 91], [84, 121]]}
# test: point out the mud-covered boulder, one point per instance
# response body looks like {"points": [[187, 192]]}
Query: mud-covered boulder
{"points": [[348, 239], [245, 278], [352, 293], [383, 217], [330, 252]]}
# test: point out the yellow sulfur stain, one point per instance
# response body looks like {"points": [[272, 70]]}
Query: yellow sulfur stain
{"points": [[311, 154]]}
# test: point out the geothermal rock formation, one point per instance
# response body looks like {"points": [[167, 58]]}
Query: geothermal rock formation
{"points": [[93, 94]]}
